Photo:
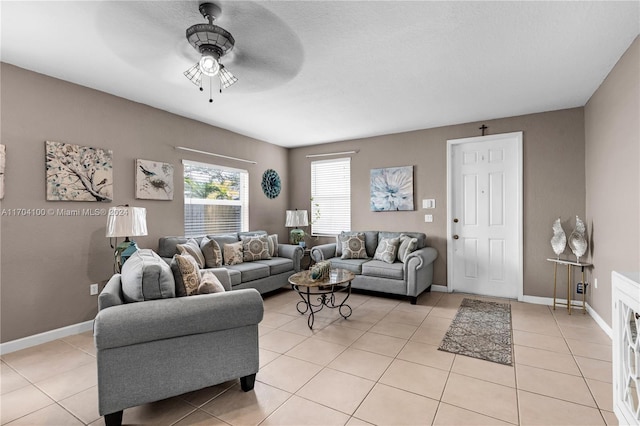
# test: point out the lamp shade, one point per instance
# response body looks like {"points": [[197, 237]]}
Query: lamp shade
{"points": [[296, 218], [124, 221]]}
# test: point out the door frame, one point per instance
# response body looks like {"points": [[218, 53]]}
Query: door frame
{"points": [[520, 243]]}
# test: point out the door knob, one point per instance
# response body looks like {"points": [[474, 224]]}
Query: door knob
{"points": [[455, 237], [455, 220]]}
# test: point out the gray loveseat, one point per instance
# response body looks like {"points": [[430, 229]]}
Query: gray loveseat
{"points": [[408, 278], [264, 275], [156, 349]]}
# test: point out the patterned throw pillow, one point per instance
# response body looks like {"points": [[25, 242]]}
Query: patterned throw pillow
{"points": [[192, 248], [353, 246], [209, 283], [407, 246], [233, 253], [387, 250], [255, 248], [273, 245], [211, 252], [189, 272]]}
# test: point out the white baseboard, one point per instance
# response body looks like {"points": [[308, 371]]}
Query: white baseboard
{"points": [[47, 336], [439, 288]]}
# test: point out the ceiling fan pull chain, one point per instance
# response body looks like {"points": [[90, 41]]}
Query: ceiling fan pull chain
{"points": [[210, 90]]}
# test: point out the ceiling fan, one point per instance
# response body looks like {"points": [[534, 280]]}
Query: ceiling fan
{"points": [[212, 43]]}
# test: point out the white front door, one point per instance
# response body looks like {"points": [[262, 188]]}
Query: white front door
{"points": [[485, 215]]}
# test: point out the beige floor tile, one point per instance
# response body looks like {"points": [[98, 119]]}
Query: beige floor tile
{"points": [[416, 378], [37, 354], [431, 336], [529, 308], [425, 354], [394, 329], [436, 323], [340, 391], [55, 364], [287, 373], [386, 405], [354, 421], [429, 299], [448, 312], [368, 314], [593, 335], [603, 394], [548, 326], [590, 350], [266, 356], [576, 319], [540, 341], [276, 319], [83, 405], [10, 380], [610, 418], [554, 384], [405, 317], [280, 341], [263, 329], [317, 351], [542, 410], [164, 412], [380, 344], [299, 411], [417, 308], [340, 335], [202, 396], [595, 369], [71, 382], [548, 360], [364, 364], [82, 341], [246, 408], [381, 303], [482, 397], [50, 415], [21, 402], [301, 327], [485, 370], [449, 415], [200, 418], [353, 322]]}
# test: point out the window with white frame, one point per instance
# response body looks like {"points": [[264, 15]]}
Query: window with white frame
{"points": [[216, 199], [331, 196]]}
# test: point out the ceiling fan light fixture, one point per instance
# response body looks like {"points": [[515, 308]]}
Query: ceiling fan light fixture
{"points": [[209, 65], [226, 78]]}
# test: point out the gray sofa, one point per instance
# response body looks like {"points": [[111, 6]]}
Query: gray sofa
{"points": [[409, 278], [156, 349], [263, 275]]}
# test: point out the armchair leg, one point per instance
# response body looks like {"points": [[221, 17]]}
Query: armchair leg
{"points": [[414, 299], [113, 419], [247, 382]]}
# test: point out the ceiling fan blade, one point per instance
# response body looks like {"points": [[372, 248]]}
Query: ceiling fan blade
{"points": [[226, 78], [194, 74]]}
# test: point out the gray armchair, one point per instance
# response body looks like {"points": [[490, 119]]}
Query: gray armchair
{"points": [[157, 349]]}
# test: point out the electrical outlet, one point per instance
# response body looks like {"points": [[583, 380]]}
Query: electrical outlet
{"points": [[428, 218], [93, 289]]}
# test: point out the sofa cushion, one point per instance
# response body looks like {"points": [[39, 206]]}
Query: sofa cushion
{"points": [[370, 241], [224, 239], [211, 252], [233, 253], [353, 246], [192, 247], [145, 276], [278, 265], [353, 265], [407, 246], [378, 268], [255, 248], [420, 236], [273, 245], [234, 276], [387, 250], [250, 271], [186, 274], [209, 283]]}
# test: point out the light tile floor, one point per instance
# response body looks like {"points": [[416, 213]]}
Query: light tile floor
{"points": [[380, 366]]}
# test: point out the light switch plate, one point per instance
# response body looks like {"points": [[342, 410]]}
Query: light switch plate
{"points": [[429, 203]]}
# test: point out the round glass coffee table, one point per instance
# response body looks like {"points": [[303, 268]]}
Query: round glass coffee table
{"points": [[318, 294]]}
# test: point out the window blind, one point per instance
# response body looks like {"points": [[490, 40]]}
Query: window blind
{"points": [[331, 194]]}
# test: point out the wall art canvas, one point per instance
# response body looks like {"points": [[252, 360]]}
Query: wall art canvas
{"points": [[154, 180], [3, 157], [392, 189], [78, 173]]}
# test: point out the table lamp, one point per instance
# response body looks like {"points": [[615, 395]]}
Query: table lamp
{"points": [[296, 218], [125, 221]]}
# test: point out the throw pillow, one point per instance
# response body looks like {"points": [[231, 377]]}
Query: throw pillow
{"points": [[353, 246], [387, 250], [407, 246], [233, 253], [189, 273], [209, 283], [273, 245], [145, 276], [211, 252], [255, 248], [192, 248]]}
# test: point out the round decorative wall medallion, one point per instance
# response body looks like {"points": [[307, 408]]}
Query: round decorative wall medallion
{"points": [[271, 183]]}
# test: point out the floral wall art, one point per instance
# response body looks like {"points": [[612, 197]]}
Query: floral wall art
{"points": [[78, 173], [392, 189], [154, 180]]}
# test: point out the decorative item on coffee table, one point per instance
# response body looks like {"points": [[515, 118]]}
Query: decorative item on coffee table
{"points": [[320, 271]]}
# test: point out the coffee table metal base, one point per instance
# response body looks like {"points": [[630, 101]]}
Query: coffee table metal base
{"points": [[326, 296]]}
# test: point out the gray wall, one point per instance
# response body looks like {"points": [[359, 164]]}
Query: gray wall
{"points": [[612, 140], [554, 173], [47, 263]]}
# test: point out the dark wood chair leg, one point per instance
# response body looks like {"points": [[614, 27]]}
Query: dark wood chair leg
{"points": [[113, 419], [247, 382]]}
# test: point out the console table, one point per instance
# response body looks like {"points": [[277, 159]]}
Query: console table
{"points": [[569, 264]]}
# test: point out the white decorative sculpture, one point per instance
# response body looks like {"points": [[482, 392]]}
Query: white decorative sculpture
{"points": [[578, 239], [559, 239]]}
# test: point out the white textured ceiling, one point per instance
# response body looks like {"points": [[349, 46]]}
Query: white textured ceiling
{"points": [[318, 71]]}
